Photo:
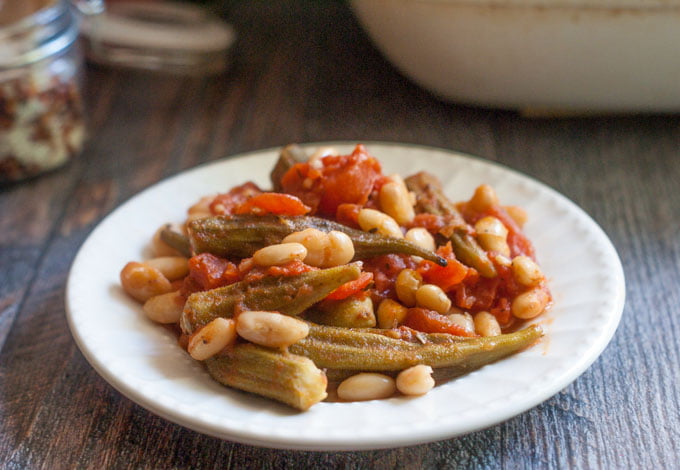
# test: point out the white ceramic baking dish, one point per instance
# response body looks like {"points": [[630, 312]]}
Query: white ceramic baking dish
{"points": [[553, 56]]}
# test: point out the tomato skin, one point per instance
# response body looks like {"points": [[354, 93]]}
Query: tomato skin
{"points": [[348, 214], [273, 203], [342, 179], [352, 287], [207, 271], [443, 276], [429, 321], [225, 203]]}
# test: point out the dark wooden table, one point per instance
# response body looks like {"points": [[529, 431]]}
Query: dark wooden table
{"points": [[304, 71]]}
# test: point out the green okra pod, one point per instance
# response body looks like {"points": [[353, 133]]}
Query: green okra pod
{"points": [[290, 295], [176, 240], [289, 156], [242, 235], [361, 350], [430, 198], [282, 376]]}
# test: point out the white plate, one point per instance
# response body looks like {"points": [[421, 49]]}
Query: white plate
{"points": [[142, 360]]}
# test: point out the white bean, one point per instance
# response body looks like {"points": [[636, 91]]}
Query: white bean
{"points": [[463, 320], [529, 304], [416, 380], [316, 242], [172, 267], [526, 271], [341, 249], [270, 329], [395, 201], [212, 338], [366, 386], [483, 198], [486, 324], [371, 220], [282, 253], [518, 214], [433, 297], [407, 283], [142, 282], [390, 314], [165, 308], [492, 235], [421, 237]]}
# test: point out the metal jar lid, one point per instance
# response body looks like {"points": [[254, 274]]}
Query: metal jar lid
{"points": [[164, 36]]}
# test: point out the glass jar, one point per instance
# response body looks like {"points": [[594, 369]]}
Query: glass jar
{"points": [[42, 123]]}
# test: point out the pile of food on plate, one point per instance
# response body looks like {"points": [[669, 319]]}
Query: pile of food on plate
{"points": [[342, 282]]}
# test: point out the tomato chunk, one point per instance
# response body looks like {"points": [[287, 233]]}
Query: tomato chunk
{"points": [[429, 321], [207, 271], [444, 276], [273, 203], [341, 179], [352, 287]]}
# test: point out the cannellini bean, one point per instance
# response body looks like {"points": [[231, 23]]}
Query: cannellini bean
{"points": [[366, 386], [270, 329], [282, 253], [492, 235], [316, 242], [463, 320], [315, 159], [172, 267], [395, 201], [212, 338], [518, 214], [372, 220], [341, 249], [324, 250], [201, 209], [165, 308], [142, 282], [483, 198], [529, 304], [416, 380], [486, 324], [526, 271], [407, 283], [433, 297], [390, 314], [159, 247], [421, 237]]}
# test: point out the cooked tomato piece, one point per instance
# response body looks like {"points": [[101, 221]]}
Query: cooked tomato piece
{"points": [[341, 179], [207, 271], [443, 276], [226, 203], [352, 287], [273, 203], [429, 321], [348, 214]]}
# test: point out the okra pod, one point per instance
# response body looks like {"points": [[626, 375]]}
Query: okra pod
{"points": [[351, 312], [288, 378], [176, 240], [242, 235], [289, 156], [361, 350], [430, 198], [290, 295]]}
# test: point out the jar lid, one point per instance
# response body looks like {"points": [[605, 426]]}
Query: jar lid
{"points": [[165, 36]]}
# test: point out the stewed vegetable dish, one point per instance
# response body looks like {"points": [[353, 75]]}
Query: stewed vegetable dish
{"points": [[343, 283]]}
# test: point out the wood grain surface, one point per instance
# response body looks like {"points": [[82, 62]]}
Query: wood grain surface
{"points": [[304, 71]]}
